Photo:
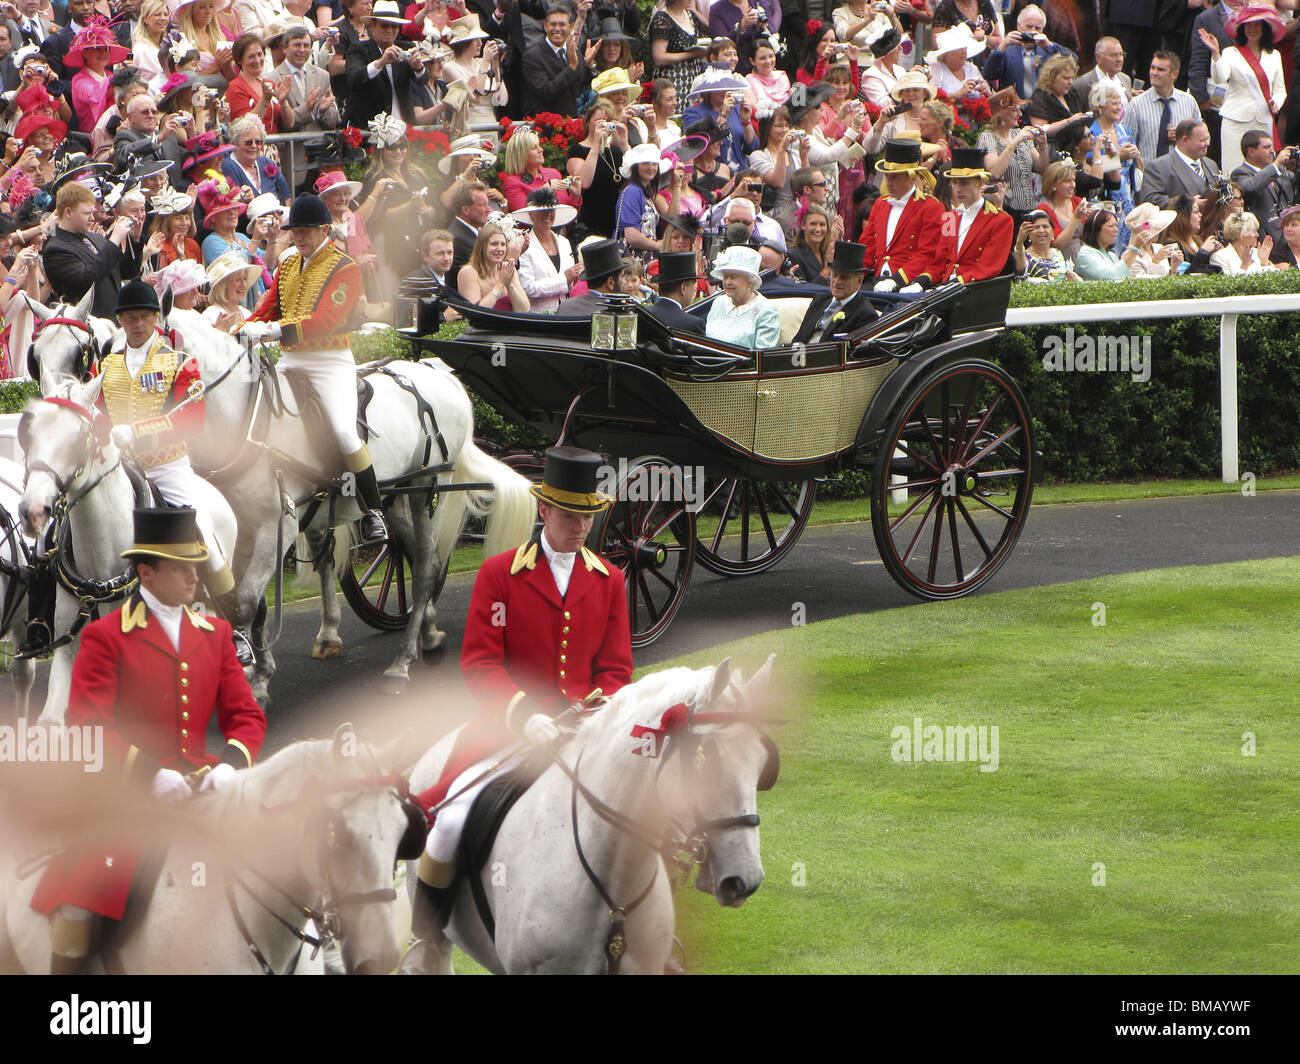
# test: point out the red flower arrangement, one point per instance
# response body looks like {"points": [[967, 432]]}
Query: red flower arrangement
{"points": [[352, 136], [971, 115]]}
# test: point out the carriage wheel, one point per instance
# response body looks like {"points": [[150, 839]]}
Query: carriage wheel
{"points": [[377, 584], [961, 449], [649, 533], [747, 526]]}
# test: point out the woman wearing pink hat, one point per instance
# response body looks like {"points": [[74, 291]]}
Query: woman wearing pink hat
{"points": [[223, 213], [1251, 71], [185, 278], [338, 193], [93, 50]]}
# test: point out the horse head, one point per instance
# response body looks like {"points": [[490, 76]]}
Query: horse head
{"points": [[66, 343], [62, 439]]}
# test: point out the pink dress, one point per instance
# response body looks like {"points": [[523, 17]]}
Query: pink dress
{"points": [[769, 93], [90, 98]]}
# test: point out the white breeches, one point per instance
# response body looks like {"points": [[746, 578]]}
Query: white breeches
{"points": [[332, 375], [178, 484], [450, 821]]}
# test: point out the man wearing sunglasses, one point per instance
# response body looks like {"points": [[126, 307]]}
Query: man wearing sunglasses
{"points": [[142, 137]]}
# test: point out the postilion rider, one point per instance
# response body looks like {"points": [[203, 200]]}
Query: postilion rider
{"points": [[151, 674], [547, 626], [153, 396], [311, 308]]}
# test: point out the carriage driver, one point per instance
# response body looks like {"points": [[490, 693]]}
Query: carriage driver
{"points": [[146, 393], [150, 674], [310, 308], [547, 626]]}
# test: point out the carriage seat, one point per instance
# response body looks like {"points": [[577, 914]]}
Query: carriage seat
{"points": [[792, 309]]}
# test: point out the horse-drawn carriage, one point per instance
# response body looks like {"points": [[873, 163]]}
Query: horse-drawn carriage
{"points": [[716, 451]]}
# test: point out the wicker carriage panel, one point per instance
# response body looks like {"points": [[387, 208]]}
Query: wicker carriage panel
{"points": [[815, 415], [859, 388], [724, 407]]}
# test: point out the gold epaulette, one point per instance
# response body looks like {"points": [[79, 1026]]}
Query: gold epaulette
{"points": [[199, 621], [525, 557], [592, 561], [134, 615]]}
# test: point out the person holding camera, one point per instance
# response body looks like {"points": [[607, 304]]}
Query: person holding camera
{"points": [[1017, 61], [379, 73], [141, 136], [983, 18], [1014, 154], [78, 258], [746, 22], [523, 172], [1267, 180], [1114, 142], [1035, 257]]}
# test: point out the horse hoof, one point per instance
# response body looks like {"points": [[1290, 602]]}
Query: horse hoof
{"points": [[394, 685], [429, 644], [324, 649]]}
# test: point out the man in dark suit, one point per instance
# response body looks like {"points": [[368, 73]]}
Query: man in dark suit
{"points": [[379, 73], [1185, 169], [1109, 58], [140, 138], [78, 261], [470, 202], [678, 279], [601, 267], [28, 26], [845, 308], [552, 69], [1267, 186]]}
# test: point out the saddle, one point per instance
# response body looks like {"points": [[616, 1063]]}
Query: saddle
{"points": [[483, 823]]}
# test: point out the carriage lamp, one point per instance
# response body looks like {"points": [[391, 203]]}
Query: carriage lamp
{"points": [[613, 327]]}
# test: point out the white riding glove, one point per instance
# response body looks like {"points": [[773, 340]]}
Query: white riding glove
{"points": [[540, 730], [911, 290], [170, 786], [221, 777], [257, 331], [123, 436], [888, 284]]}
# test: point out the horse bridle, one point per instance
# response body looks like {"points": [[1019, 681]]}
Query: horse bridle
{"points": [[87, 353], [92, 445]]}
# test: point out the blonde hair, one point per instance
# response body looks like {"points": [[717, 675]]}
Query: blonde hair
{"points": [[208, 38], [1054, 175], [1237, 224], [1052, 69], [518, 147], [140, 33]]}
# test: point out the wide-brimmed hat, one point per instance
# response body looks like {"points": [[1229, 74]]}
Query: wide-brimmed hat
{"points": [[174, 86], [813, 97], [614, 79], [168, 532], [738, 258], [389, 11], [1149, 217], [544, 199], [685, 223], [136, 295], [707, 127], [174, 6], [142, 167], [263, 204], [716, 80], [469, 144], [913, 79], [335, 181], [678, 266], [168, 201], [181, 275], [955, 38], [95, 37], [333, 149], [71, 166], [968, 162], [610, 30], [1288, 214], [883, 40], [465, 28], [600, 258], [223, 267], [1256, 14], [849, 257], [308, 211], [275, 31], [204, 148], [686, 149], [570, 481], [33, 123], [642, 153], [902, 156]]}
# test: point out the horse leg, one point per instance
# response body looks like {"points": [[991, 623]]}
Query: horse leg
{"points": [[328, 642], [59, 687], [413, 526], [431, 637], [252, 597], [23, 671]]}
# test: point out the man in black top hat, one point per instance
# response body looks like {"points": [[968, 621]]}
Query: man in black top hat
{"points": [[601, 266], [845, 308], [678, 279]]}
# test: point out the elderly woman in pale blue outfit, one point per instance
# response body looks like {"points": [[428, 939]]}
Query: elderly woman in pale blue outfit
{"points": [[741, 315]]}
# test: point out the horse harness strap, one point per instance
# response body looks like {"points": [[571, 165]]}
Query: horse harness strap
{"points": [[424, 412]]}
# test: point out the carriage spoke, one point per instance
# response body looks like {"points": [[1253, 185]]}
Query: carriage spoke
{"points": [[653, 533], [993, 506], [985, 418], [370, 571], [385, 584], [647, 597], [936, 542], [724, 517], [979, 536], [909, 511], [767, 524], [956, 542], [934, 497], [744, 519]]}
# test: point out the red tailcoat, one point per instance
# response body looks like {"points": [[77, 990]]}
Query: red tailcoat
{"points": [[984, 252], [523, 639], [914, 251], [315, 306], [154, 704]]}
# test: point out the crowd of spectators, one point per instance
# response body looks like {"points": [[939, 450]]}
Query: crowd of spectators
{"points": [[957, 139]]}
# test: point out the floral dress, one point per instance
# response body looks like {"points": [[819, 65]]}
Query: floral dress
{"points": [[664, 27]]}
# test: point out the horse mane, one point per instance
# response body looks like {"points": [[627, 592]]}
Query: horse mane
{"points": [[281, 778], [646, 700]]}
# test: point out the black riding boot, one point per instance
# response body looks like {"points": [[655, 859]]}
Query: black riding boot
{"points": [[430, 910], [373, 527], [227, 605]]}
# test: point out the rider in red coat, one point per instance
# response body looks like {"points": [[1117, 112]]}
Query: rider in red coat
{"points": [[151, 675], [976, 239], [902, 231], [547, 627]]}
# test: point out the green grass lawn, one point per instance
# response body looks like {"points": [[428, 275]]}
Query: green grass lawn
{"points": [[1120, 745]]}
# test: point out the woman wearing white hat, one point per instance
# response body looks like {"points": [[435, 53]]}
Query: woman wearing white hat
{"points": [[741, 315], [949, 66], [171, 230], [229, 278], [640, 206], [912, 91], [478, 65], [263, 224], [547, 268], [1153, 259]]}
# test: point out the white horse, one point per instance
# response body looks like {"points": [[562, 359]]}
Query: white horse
{"points": [[12, 592], [308, 837], [70, 456], [250, 473], [681, 748]]}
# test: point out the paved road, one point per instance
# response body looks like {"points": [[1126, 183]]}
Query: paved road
{"points": [[834, 571]]}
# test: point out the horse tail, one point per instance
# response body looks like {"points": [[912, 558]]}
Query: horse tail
{"points": [[510, 509]]}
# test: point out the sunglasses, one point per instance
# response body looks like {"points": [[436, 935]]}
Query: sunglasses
{"points": [[252, 143]]}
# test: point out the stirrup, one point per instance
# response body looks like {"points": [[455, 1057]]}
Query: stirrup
{"points": [[373, 527], [37, 638], [243, 647]]}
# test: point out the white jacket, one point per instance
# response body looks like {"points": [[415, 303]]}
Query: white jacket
{"points": [[1244, 102], [545, 285]]}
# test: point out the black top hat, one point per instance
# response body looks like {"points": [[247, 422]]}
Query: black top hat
{"points": [[308, 210], [136, 295], [813, 97], [599, 260], [849, 257], [901, 156], [706, 127], [167, 533], [886, 43], [676, 267], [570, 480], [686, 223], [968, 162]]}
